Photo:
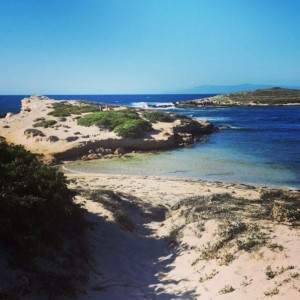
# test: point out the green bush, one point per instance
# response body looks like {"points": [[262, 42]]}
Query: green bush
{"points": [[37, 211], [65, 109], [45, 123], [108, 119], [33, 132], [158, 116], [132, 128], [125, 123]]}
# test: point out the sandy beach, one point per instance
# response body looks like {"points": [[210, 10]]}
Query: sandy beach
{"points": [[157, 247]]}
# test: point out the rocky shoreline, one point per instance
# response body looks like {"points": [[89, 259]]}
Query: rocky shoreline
{"points": [[61, 138]]}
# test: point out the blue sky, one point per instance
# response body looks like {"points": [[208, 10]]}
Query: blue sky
{"points": [[146, 46]]}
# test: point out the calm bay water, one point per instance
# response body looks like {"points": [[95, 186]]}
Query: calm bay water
{"points": [[255, 145]]}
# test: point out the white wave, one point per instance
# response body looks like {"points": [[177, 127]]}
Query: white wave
{"points": [[153, 105], [163, 105], [212, 118], [226, 126], [140, 104]]}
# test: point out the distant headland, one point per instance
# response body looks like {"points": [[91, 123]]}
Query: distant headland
{"points": [[261, 97]]}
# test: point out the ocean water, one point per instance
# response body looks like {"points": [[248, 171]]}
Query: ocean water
{"points": [[259, 145]]}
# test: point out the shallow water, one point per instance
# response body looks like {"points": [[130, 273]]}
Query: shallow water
{"points": [[258, 145]]}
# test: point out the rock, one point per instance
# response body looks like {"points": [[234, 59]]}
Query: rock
{"points": [[103, 151], [71, 139], [108, 151], [49, 159], [62, 119], [100, 150], [185, 137], [192, 126], [52, 139], [9, 115], [93, 156], [120, 151]]}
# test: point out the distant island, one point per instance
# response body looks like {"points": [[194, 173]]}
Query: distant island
{"points": [[228, 89], [261, 97]]}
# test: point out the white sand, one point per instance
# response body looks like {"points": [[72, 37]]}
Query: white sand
{"points": [[142, 265]]}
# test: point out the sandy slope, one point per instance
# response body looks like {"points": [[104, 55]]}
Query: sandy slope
{"points": [[141, 264]]}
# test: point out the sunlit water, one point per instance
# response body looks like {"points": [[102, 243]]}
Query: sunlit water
{"points": [[258, 145]]}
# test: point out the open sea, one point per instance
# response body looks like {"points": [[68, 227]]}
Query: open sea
{"points": [[259, 145]]}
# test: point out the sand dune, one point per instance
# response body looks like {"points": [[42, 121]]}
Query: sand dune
{"points": [[149, 243]]}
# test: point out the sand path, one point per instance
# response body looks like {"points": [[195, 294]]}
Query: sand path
{"points": [[143, 265]]}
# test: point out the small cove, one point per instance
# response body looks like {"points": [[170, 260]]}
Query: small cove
{"points": [[258, 145]]}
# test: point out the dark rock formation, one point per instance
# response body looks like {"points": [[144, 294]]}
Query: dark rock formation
{"points": [[120, 151]]}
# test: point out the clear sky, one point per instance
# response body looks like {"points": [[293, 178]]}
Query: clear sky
{"points": [[146, 46]]}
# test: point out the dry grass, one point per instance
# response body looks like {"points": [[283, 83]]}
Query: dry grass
{"points": [[238, 223]]}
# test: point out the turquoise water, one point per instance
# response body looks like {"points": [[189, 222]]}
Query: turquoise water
{"points": [[203, 161], [258, 145]]}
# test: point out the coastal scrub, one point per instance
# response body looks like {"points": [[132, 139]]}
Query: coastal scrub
{"points": [[45, 123], [36, 206], [65, 109], [158, 116], [42, 231], [125, 123]]}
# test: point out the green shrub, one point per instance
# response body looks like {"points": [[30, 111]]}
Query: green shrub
{"points": [[45, 123], [125, 123], [132, 128], [158, 116], [65, 109], [108, 119], [33, 132], [39, 119], [37, 211]]}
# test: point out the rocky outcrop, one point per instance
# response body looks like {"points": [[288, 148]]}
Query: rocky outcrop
{"points": [[9, 115], [120, 151], [129, 144], [186, 131]]}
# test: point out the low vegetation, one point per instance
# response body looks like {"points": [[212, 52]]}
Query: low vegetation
{"points": [[44, 123], [65, 109], [273, 96], [237, 223], [33, 132], [226, 289], [125, 123], [37, 219], [158, 116]]}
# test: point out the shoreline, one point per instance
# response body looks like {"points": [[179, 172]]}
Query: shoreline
{"points": [[67, 171], [173, 188], [114, 162]]}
